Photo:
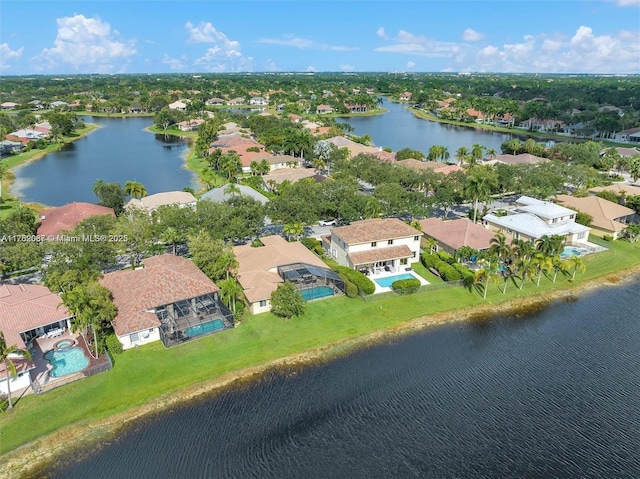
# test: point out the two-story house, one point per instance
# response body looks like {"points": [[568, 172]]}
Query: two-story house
{"points": [[532, 219], [375, 245]]}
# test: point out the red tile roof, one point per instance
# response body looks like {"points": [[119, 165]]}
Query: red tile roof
{"points": [[165, 279], [24, 307], [56, 220]]}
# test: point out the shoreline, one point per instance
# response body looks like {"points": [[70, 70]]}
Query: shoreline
{"points": [[41, 154], [34, 457]]}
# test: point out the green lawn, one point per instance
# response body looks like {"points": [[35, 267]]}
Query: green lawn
{"points": [[145, 374]]}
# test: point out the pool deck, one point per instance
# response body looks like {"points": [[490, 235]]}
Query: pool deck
{"points": [[387, 274]]}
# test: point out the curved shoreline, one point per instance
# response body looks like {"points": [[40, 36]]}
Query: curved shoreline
{"points": [[34, 457]]}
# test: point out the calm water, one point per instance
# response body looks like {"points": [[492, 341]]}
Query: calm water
{"points": [[399, 128], [119, 151], [554, 394]]}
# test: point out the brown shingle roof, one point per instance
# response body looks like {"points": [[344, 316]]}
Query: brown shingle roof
{"points": [[457, 233], [618, 188], [436, 166], [380, 254], [56, 220], [164, 279], [378, 229]]}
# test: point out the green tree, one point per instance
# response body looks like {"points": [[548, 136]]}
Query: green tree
{"points": [[135, 189], [111, 195], [4, 170], [293, 229], [213, 256], [478, 187], [577, 264], [92, 308], [287, 302], [230, 292], [7, 354]]}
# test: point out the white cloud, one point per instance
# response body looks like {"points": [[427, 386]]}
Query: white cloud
{"points": [[470, 35], [584, 52], [382, 34], [311, 68], [346, 68], [626, 3], [410, 65], [410, 44], [88, 45], [270, 66], [224, 56], [7, 55], [304, 44], [175, 64]]}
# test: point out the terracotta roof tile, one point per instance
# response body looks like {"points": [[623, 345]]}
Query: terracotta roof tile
{"points": [[374, 230], [457, 233], [380, 254], [164, 279], [56, 220]]}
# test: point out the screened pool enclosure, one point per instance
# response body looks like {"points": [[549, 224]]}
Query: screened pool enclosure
{"points": [[189, 319], [313, 282]]}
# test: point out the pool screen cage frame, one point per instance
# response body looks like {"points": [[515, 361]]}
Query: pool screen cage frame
{"points": [[177, 317], [306, 276]]}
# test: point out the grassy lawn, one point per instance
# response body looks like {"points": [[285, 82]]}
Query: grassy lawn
{"points": [[426, 274], [173, 132], [149, 372]]}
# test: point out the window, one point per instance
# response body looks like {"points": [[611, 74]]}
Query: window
{"points": [[403, 261], [374, 244], [581, 235], [390, 242], [416, 238], [413, 254], [263, 303], [554, 220], [134, 338]]}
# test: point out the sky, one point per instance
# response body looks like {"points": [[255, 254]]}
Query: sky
{"points": [[164, 36]]}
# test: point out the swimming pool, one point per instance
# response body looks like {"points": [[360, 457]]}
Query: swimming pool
{"points": [[389, 280], [66, 361], [572, 251], [316, 293], [204, 328]]}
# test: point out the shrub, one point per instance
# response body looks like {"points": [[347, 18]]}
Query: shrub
{"points": [[312, 244], [446, 257], [607, 238], [448, 273], [113, 344], [428, 260], [406, 286], [350, 289], [462, 269], [363, 283], [254, 149]]}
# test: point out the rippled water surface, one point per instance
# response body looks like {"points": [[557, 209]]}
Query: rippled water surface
{"points": [[550, 394]]}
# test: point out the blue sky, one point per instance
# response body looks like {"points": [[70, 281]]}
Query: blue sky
{"points": [[152, 36]]}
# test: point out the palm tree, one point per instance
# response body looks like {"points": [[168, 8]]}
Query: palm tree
{"points": [[230, 291], [293, 229], [491, 153], [578, 264], [558, 265], [478, 187], [542, 263], [513, 146], [432, 245], [498, 245], [232, 189], [171, 235], [461, 155], [372, 208], [7, 354], [550, 245], [135, 189], [477, 152], [525, 267]]}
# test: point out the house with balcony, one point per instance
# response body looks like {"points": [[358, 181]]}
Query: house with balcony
{"points": [[531, 219], [375, 245]]}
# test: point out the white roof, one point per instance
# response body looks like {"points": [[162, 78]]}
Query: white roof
{"points": [[530, 225], [152, 202], [543, 209], [220, 194]]}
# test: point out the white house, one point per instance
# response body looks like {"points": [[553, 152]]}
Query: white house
{"points": [[258, 100], [532, 219], [178, 105], [375, 245], [152, 202]]}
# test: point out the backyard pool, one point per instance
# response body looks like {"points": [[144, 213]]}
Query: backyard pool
{"points": [[389, 280], [316, 293], [66, 361], [572, 251], [205, 328]]}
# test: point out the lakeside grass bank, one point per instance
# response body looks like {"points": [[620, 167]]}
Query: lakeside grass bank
{"points": [[152, 379], [33, 155], [511, 131]]}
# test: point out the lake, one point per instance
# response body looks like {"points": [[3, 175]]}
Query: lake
{"points": [[120, 150], [399, 128], [554, 393]]}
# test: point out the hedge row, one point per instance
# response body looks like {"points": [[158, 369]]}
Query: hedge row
{"points": [[406, 286], [447, 272], [350, 289], [313, 245], [363, 283]]}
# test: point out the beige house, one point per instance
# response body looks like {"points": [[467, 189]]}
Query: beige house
{"points": [[608, 217], [375, 245], [618, 188], [258, 268], [153, 202], [178, 106], [454, 234], [532, 219]]}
